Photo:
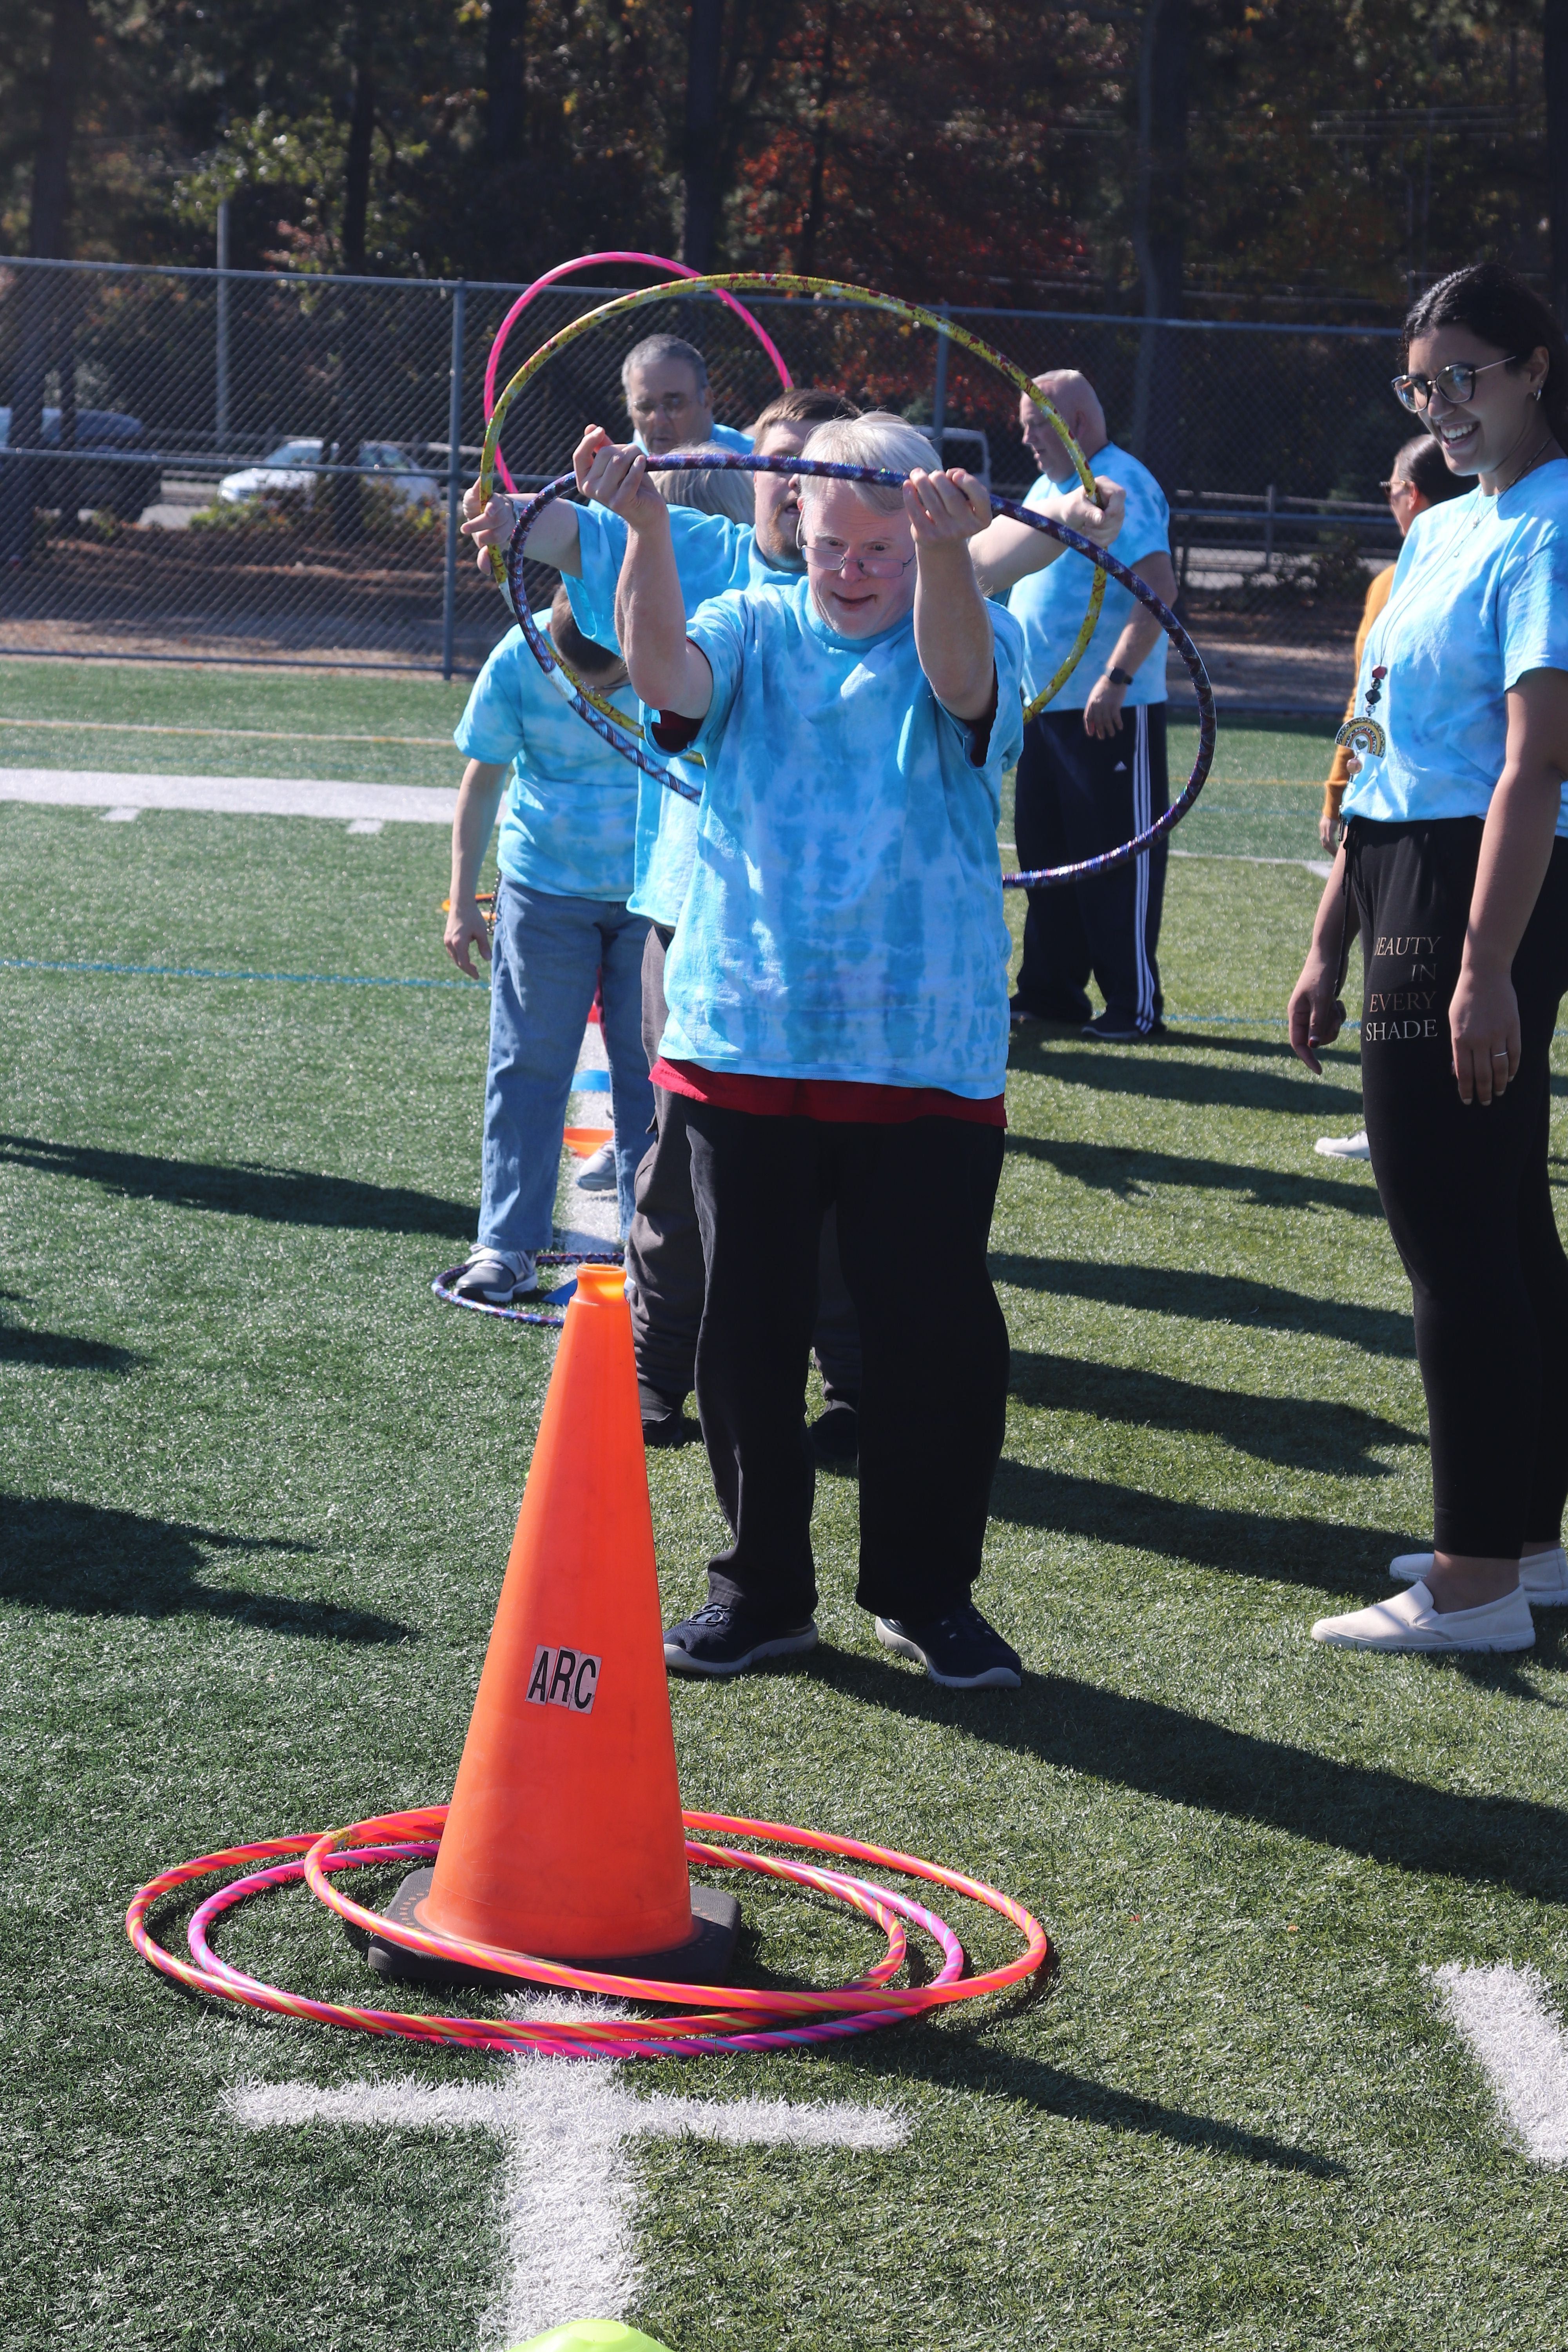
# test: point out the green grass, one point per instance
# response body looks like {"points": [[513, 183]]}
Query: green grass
{"points": [[257, 1490]]}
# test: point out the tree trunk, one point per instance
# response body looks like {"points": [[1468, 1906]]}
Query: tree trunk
{"points": [[812, 225], [1159, 232], [505, 112], [362, 128], [23, 482], [700, 147], [1555, 75], [346, 491]]}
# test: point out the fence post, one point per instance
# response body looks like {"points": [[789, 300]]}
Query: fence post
{"points": [[454, 479], [1269, 509], [220, 388], [938, 392]]}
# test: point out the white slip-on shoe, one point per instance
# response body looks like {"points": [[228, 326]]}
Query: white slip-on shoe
{"points": [[1412, 1622], [1544, 1576], [1343, 1147]]}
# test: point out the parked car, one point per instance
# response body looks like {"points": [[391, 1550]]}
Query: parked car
{"points": [[293, 465], [115, 483]]}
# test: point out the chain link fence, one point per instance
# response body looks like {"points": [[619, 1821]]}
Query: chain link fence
{"points": [[244, 467]]}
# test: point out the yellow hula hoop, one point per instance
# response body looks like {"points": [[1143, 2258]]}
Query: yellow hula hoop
{"points": [[755, 281]]}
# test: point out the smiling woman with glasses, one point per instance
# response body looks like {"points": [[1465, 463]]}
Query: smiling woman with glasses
{"points": [[1454, 869]]}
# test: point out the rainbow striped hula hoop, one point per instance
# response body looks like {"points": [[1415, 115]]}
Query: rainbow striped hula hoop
{"points": [[1106, 565], [754, 281], [594, 260], [443, 1288], [725, 2018]]}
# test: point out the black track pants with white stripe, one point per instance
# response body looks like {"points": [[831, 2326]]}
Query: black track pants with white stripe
{"points": [[1079, 795]]}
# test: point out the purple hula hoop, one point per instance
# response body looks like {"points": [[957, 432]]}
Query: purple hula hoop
{"points": [[678, 459]]}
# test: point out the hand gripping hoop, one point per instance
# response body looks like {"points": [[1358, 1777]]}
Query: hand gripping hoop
{"points": [[779, 282], [1105, 565]]}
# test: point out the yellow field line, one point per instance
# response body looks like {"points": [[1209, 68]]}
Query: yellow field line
{"points": [[252, 734]]}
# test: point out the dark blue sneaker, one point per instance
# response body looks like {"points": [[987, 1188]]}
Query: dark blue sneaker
{"points": [[725, 1638], [959, 1651]]}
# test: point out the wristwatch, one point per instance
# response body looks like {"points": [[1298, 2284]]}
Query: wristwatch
{"points": [[1120, 677]]}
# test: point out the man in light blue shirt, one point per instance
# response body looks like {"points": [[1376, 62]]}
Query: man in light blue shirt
{"points": [[670, 399], [1093, 769], [567, 805]]}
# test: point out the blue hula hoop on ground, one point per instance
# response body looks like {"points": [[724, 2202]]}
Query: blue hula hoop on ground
{"points": [[442, 1287], [1044, 877]]}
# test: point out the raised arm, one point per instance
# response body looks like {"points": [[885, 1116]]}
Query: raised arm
{"points": [[953, 627], [552, 539], [1007, 552], [666, 671]]}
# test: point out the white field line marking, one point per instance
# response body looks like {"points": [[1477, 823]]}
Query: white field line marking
{"points": [[119, 817], [250, 734], [367, 824], [1501, 2013], [569, 2197], [230, 795]]}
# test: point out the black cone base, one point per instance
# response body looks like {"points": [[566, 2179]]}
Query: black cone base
{"points": [[705, 1957]]}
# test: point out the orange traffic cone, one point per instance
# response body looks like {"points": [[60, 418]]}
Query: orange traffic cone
{"points": [[563, 1838]]}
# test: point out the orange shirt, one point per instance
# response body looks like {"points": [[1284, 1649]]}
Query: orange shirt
{"points": [[1338, 775]]}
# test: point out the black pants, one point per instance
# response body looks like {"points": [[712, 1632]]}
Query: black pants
{"points": [[934, 1357], [1078, 795], [1465, 1189], [664, 1247]]}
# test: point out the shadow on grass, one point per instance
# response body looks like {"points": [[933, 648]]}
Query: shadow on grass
{"points": [[962, 2062], [63, 1351], [1151, 1071], [95, 1562], [1127, 1172], [1295, 1550], [1185, 1759], [1211, 1298], [279, 1196], [1307, 1435]]}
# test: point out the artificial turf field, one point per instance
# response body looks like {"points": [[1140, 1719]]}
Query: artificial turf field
{"points": [[258, 1491]]}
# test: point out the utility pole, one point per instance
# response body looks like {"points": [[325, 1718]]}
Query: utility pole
{"points": [[1555, 75], [1159, 227]]}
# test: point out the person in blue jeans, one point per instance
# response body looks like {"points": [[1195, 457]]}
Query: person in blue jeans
{"points": [[568, 820]]}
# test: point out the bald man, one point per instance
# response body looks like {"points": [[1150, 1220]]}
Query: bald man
{"points": [[1093, 770]]}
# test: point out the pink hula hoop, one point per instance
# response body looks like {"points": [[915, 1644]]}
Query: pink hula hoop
{"points": [[587, 261]]}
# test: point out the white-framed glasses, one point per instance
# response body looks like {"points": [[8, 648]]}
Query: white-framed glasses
{"points": [[833, 555], [1456, 382]]}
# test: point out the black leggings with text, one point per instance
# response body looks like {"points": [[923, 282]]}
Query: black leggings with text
{"points": [[1465, 1188]]}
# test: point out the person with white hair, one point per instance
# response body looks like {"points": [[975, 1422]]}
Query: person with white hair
{"points": [[1093, 771], [837, 1024]]}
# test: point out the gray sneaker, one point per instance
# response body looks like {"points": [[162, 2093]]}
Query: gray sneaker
{"points": [[495, 1277], [597, 1173]]}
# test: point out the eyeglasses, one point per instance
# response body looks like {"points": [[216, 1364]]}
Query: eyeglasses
{"points": [[1456, 382], [832, 555]]}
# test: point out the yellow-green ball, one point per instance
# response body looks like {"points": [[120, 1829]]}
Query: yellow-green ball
{"points": [[590, 2336]]}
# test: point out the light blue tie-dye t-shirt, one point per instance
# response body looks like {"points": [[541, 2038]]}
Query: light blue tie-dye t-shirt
{"points": [[568, 820], [1051, 603], [1480, 599], [728, 436], [844, 918], [711, 554]]}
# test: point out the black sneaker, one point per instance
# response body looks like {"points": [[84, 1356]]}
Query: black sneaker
{"points": [[725, 1638], [835, 1435], [1115, 1029], [959, 1651], [1021, 1016], [663, 1421]]}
